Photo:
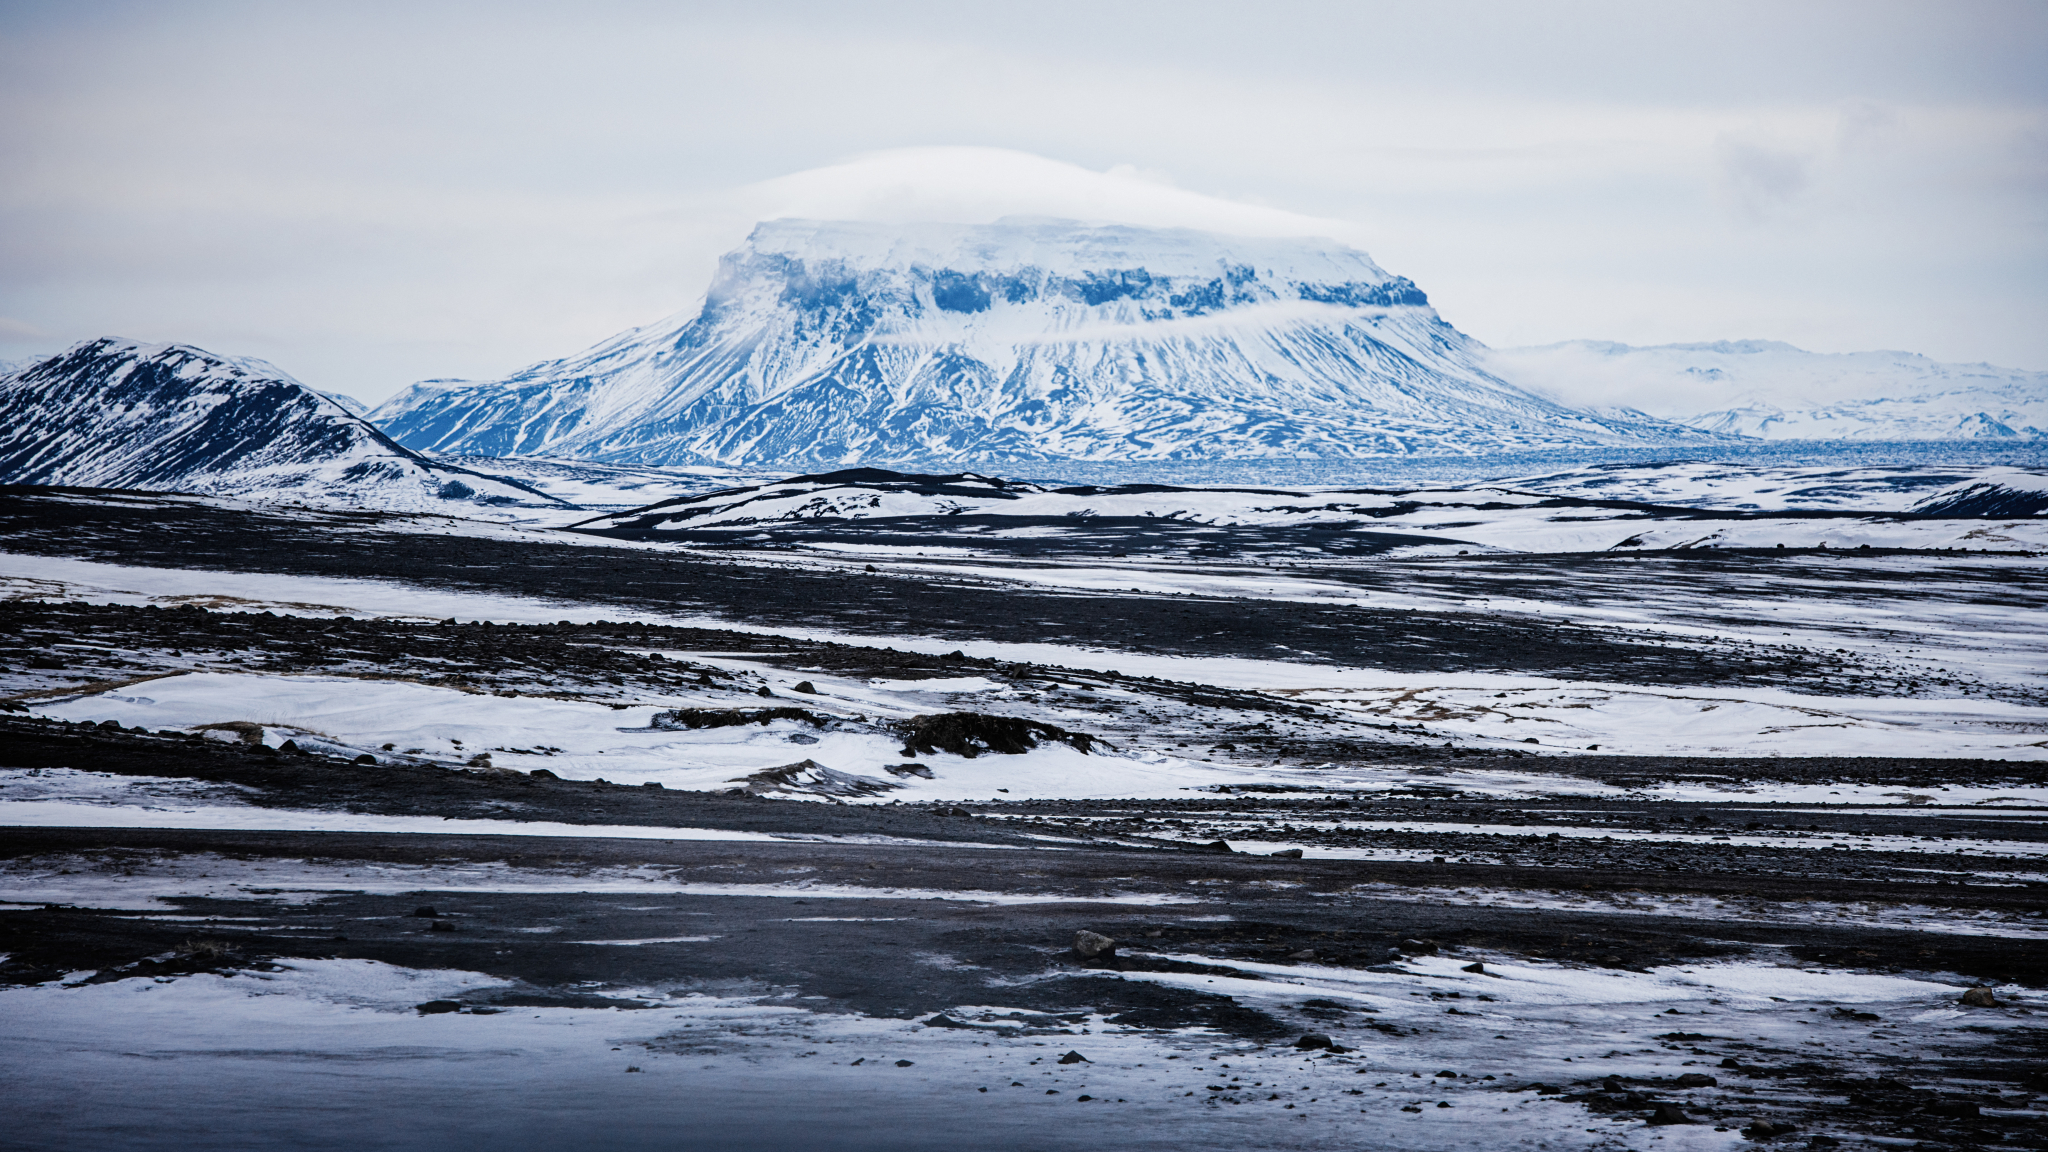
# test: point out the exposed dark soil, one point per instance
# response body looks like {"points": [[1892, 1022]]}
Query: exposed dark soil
{"points": [[170, 532]]}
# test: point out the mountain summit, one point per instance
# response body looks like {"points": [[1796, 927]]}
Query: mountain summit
{"points": [[843, 343], [115, 413]]}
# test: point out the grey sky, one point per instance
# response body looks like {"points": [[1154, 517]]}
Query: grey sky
{"points": [[371, 194]]}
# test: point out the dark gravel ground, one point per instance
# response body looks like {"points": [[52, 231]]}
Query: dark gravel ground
{"points": [[139, 529]]}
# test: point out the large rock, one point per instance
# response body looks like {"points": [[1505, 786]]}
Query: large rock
{"points": [[1093, 945]]}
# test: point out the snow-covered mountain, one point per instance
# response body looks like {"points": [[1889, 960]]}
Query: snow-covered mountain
{"points": [[114, 413], [840, 343], [1787, 393]]}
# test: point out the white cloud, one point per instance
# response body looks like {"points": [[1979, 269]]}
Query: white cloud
{"points": [[370, 194]]}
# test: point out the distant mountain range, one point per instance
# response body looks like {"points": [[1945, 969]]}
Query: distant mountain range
{"points": [[119, 414], [1025, 340], [1787, 393]]}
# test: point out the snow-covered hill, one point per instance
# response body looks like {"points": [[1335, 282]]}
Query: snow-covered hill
{"points": [[842, 343], [114, 413], [1787, 393]]}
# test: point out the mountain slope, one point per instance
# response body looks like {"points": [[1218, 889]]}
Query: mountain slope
{"points": [[114, 413], [1787, 393], [1024, 340]]}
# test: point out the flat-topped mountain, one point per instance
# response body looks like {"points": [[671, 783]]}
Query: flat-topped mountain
{"points": [[843, 343]]}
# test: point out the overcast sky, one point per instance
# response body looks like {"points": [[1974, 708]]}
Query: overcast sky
{"points": [[371, 194]]}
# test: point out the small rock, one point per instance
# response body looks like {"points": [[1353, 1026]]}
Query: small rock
{"points": [[1669, 1114], [1763, 1129], [1287, 854], [632, 1067], [1084, 1096], [436, 1007], [1093, 944], [944, 1021], [1315, 1040], [543, 774], [1075, 1058], [1214, 846], [1979, 998], [1696, 1080], [365, 758], [763, 691], [905, 1063], [1479, 968], [654, 784], [806, 687]]}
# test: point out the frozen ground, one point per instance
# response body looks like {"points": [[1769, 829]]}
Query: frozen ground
{"points": [[273, 779], [835, 1007]]}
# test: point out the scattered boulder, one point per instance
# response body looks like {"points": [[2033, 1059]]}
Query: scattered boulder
{"points": [[1479, 968], [1090, 945], [436, 1007], [1075, 1058], [1315, 1040], [1979, 998], [763, 691], [944, 1021], [543, 774], [970, 734], [918, 770], [1765, 1129], [654, 784], [1222, 846], [1669, 1114], [365, 758], [1287, 854], [811, 778], [1695, 1080], [690, 719], [805, 687], [905, 1063]]}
